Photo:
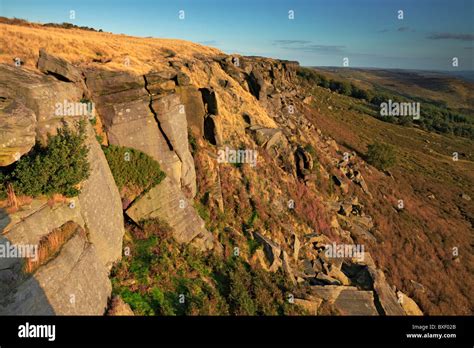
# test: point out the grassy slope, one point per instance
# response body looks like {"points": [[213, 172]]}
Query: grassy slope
{"points": [[81, 47], [415, 244]]}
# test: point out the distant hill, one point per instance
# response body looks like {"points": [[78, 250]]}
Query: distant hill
{"points": [[445, 87]]}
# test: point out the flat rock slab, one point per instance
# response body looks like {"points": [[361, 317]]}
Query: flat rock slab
{"points": [[356, 302], [74, 283], [101, 206], [166, 202]]}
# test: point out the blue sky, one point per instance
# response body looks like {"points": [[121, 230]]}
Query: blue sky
{"points": [[322, 32]]}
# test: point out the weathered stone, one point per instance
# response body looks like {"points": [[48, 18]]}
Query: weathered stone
{"points": [[174, 124], [123, 105], [162, 87], [355, 302], [39, 93], [257, 85], [183, 79], [105, 82], [268, 137], [191, 98], [307, 269], [160, 76], [386, 295], [287, 267], [336, 273], [101, 206], [303, 162], [272, 251], [329, 293], [75, 282], [17, 129], [296, 247], [58, 67], [166, 202], [325, 279]]}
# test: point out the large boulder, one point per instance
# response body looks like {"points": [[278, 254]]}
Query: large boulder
{"points": [[58, 67], [355, 302], [272, 251], [268, 137], [158, 82], [166, 202], [39, 94]]}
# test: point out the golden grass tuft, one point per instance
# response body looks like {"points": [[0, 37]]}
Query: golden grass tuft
{"points": [[50, 244]]}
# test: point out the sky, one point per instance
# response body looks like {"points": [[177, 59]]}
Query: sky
{"points": [[320, 33]]}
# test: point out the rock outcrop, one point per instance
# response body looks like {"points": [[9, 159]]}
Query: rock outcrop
{"points": [[58, 67], [123, 104], [75, 278], [172, 119], [167, 203]]}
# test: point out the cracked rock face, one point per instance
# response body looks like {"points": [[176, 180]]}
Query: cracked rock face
{"points": [[172, 119]]}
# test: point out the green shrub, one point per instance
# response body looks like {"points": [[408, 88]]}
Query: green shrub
{"points": [[381, 155], [57, 167], [133, 168]]}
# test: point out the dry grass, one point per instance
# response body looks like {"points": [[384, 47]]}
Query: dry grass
{"points": [[50, 244], [82, 47]]}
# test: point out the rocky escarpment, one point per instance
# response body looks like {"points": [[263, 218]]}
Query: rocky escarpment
{"points": [[86, 257], [181, 116], [74, 280]]}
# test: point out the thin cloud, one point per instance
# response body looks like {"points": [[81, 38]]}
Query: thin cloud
{"points": [[402, 29], [291, 42], [308, 46], [209, 43], [451, 36]]}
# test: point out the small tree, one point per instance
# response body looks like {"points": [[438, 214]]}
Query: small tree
{"points": [[56, 168], [381, 155]]}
